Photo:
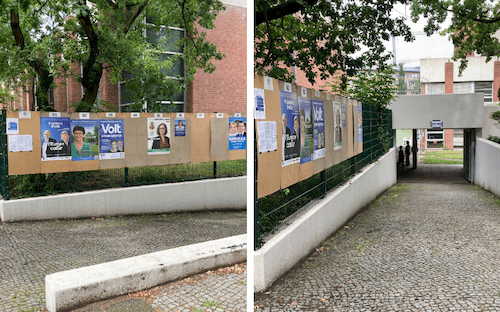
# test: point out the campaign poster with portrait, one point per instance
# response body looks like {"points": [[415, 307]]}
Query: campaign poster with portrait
{"points": [[306, 130], [360, 123], [337, 126], [290, 128], [344, 116], [56, 142], [319, 129], [84, 139], [158, 136], [180, 127], [237, 133], [111, 139]]}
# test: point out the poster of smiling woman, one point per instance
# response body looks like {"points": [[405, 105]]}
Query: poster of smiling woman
{"points": [[55, 138], [85, 139], [158, 136], [237, 133], [111, 139]]}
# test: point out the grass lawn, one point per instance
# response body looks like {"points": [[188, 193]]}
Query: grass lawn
{"points": [[444, 157]]}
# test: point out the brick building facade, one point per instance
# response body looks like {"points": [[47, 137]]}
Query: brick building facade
{"points": [[222, 91]]}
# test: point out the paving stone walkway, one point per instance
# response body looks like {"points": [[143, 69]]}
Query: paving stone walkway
{"points": [[31, 250], [430, 243]]}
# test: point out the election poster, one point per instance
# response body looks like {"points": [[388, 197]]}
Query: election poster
{"points": [[84, 139], [306, 130], [337, 125], [180, 127], [319, 129], [158, 136], [56, 144], [111, 139], [260, 105], [289, 120], [237, 133], [360, 123]]}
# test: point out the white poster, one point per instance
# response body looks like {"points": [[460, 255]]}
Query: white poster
{"points": [[12, 126], [20, 143], [260, 105], [268, 137]]}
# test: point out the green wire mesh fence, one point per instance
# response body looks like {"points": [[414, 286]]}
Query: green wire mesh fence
{"points": [[274, 210]]}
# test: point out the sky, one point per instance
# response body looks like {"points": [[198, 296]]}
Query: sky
{"points": [[422, 47]]}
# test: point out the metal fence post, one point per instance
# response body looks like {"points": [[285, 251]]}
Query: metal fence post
{"points": [[127, 182], [4, 167], [215, 169], [255, 195]]}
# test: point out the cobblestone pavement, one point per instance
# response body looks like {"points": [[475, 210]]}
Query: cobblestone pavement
{"points": [[431, 246], [31, 250], [213, 291]]}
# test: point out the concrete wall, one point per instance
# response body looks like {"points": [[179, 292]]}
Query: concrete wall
{"points": [[455, 110], [300, 238], [487, 171], [490, 127], [477, 69], [162, 198]]}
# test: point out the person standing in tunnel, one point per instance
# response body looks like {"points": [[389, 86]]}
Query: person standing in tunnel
{"points": [[407, 153]]}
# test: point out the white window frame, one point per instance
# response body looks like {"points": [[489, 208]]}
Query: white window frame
{"points": [[427, 140]]}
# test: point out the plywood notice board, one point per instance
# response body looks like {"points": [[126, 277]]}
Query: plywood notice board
{"points": [[194, 146], [269, 163]]}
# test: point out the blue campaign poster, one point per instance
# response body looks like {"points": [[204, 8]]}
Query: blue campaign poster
{"points": [[319, 129], [360, 124], [84, 139], [111, 139], [237, 133], [306, 130], [180, 127], [56, 142], [289, 120]]}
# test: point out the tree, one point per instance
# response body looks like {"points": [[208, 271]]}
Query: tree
{"points": [[376, 87], [401, 80], [323, 37], [46, 37], [473, 25]]}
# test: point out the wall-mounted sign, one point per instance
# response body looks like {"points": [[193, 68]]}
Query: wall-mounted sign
{"points": [[437, 124]]}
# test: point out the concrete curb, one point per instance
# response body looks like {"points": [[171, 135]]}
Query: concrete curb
{"points": [[300, 238], [69, 289], [200, 195]]}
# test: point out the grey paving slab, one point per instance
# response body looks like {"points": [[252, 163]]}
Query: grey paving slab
{"points": [[31, 250], [428, 244], [224, 289]]}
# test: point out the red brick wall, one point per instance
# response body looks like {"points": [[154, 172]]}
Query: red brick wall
{"points": [[109, 92], [448, 78], [224, 90], [496, 80], [448, 138]]}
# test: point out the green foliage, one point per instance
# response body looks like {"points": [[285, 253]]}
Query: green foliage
{"points": [[494, 139], [323, 38], [49, 36], [375, 87], [474, 23]]}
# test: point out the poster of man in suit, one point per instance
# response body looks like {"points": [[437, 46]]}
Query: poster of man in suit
{"points": [[290, 138], [55, 139]]}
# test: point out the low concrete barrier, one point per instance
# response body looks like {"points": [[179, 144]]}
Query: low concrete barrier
{"points": [[299, 239], [487, 171], [160, 198], [69, 289]]}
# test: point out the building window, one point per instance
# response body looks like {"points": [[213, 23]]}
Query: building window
{"points": [[435, 139], [463, 87], [51, 98], [434, 88], [485, 87], [165, 38]]}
